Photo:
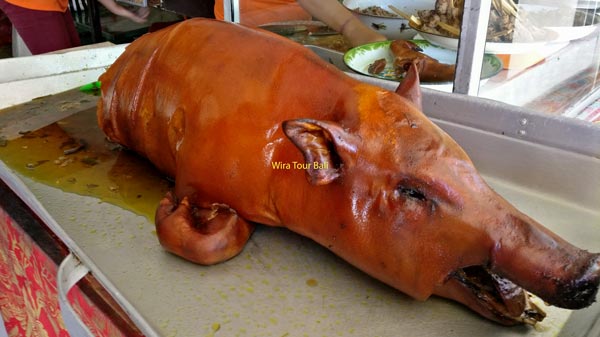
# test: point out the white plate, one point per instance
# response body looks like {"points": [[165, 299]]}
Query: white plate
{"points": [[566, 34], [490, 47], [359, 59], [564, 21]]}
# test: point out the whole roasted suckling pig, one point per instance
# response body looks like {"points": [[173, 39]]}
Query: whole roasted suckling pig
{"points": [[255, 128]]}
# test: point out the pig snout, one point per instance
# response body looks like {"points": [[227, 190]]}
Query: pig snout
{"points": [[546, 265], [582, 291]]}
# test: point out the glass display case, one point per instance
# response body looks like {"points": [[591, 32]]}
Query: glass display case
{"points": [[540, 55], [550, 60]]}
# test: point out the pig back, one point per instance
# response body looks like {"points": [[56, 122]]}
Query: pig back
{"points": [[213, 76]]}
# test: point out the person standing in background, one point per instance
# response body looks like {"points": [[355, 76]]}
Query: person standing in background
{"points": [[47, 25], [331, 12]]}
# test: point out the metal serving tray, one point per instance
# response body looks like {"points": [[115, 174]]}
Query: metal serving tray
{"points": [[285, 285]]}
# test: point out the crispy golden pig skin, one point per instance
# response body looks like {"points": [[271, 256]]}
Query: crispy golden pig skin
{"points": [[406, 53], [255, 128]]}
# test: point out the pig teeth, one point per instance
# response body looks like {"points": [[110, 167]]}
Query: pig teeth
{"points": [[532, 314]]}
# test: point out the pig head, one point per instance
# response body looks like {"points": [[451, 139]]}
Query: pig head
{"points": [[257, 129]]}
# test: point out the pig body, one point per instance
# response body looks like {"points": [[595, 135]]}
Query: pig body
{"points": [[257, 129]]}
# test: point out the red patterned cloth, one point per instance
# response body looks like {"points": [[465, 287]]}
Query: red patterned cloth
{"points": [[28, 290]]}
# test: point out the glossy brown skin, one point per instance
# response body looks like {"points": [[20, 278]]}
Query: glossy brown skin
{"points": [[214, 105], [407, 53]]}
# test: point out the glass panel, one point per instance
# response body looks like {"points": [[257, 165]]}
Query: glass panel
{"points": [[550, 57]]}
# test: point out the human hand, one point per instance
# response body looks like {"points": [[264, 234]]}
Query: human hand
{"points": [[358, 34], [140, 15]]}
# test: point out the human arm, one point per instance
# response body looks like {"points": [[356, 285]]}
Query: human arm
{"points": [[338, 17], [139, 16]]}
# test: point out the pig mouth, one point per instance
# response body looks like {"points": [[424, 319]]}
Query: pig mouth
{"points": [[494, 297]]}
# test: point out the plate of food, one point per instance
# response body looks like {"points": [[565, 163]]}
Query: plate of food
{"points": [[389, 60]]}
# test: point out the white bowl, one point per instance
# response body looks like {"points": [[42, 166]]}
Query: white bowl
{"points": [[392, 28]]}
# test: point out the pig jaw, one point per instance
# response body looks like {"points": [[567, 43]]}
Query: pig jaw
{"points": [[491, 296]]}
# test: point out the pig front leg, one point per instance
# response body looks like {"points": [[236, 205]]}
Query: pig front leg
{"points": [[202, 235]]}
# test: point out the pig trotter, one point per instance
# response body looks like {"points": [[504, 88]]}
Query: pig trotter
{"points": [[202, 235]]}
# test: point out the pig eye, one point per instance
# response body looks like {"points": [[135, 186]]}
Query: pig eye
{"points": [[412, 193]]}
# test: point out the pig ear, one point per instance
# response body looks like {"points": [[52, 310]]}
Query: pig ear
{"points": [[326, 146], [410, 87]]}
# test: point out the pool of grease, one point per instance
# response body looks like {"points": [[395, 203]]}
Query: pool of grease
{"points": [[74, 156]]}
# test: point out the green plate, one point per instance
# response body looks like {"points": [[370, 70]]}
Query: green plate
{"points": [[359, 59]]}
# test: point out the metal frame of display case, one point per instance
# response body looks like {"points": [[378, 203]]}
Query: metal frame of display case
{"points": [[471, 47], [231, 10]]}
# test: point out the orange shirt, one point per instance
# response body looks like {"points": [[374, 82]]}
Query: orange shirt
{"points": [[258, 12], [42, 5]]}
